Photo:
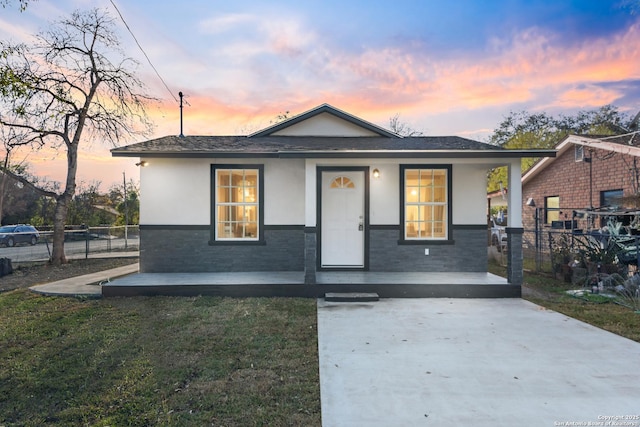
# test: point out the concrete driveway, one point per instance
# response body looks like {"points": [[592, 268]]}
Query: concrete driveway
{"points": [[471, 362]]}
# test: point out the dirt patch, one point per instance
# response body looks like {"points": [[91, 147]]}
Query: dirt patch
{"points": [[30, 274]]}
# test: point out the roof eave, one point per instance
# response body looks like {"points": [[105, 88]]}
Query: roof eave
{"points": [[586, 141], [514, 154]]}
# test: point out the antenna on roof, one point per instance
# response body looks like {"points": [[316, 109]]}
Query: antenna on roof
{"points": [[181, 96]]}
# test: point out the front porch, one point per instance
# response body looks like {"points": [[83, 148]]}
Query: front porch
{"points": [[292, 284]]}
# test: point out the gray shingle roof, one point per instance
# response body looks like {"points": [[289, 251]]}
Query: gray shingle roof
{"points": [[274, 144], [295, 146]]}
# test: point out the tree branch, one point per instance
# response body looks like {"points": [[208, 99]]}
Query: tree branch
{"points": [[28, 183]]}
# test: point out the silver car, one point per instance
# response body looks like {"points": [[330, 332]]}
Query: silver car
{"points": [[11, 235]]}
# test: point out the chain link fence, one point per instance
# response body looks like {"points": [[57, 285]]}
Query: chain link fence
{"points": [[560, 251], [80, 242]]}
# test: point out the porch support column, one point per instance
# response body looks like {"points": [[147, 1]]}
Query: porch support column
{"points": [[514, 227], [310, 228], [515, 274], [310, 245]]}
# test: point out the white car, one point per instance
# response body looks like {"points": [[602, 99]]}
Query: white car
{"points": [[498, 232]]}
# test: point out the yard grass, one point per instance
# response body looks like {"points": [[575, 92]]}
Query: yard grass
{"points": [[167, 361], [552, 294]]}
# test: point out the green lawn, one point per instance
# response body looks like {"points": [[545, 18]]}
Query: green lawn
{"points": [[163, 361]]}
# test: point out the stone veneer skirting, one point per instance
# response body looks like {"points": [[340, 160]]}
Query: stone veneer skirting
{"points": [[186, 249], [467, 252]]}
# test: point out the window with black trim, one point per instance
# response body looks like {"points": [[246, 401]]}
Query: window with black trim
{"points": [[425, 202], [237, 204]]}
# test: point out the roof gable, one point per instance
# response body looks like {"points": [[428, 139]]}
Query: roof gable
{"points": [[614, 144], [325, 121]]}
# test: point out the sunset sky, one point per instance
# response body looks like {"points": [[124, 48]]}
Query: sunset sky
{"points": [[448, 68]]}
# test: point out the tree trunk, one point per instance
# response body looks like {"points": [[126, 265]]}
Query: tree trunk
{"points": [[3, 179], [62, 206], [59, 218], [3, 184]]}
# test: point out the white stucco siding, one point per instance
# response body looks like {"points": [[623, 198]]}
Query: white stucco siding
{"points": [[310, 193], [175, 192], [324, 124], [383, 191], [178, 191], [469, 194], [284, 188], [384, 200], [469, 198]]}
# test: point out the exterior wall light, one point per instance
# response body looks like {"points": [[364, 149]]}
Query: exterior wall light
{"points": [[376, 173], [142, 163]]}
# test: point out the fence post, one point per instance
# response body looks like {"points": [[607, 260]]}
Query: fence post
{"points": [[537, 244], [86, 242]]}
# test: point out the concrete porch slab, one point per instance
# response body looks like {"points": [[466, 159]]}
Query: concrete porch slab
{"points": [[287, 283], [351, 297]]}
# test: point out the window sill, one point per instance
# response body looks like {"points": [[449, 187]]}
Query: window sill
{"points": [[237, 243], [426, 242]]}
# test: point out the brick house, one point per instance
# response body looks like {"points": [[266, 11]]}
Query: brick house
{"points": [[588, 172]]}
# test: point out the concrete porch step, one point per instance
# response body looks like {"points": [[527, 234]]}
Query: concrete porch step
{"points": [[351, 297]]}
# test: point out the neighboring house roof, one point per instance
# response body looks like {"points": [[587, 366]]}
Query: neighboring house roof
{"points": [[107, 209], [617, 144], [292, 138], [498, 198]]}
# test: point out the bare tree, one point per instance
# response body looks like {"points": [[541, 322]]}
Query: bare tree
{"points": [[401, 128], [73, 85], [281, 117], [23, 3], [10, 141]]}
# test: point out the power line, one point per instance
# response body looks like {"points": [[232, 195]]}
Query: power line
{"points": [[142, 50]]}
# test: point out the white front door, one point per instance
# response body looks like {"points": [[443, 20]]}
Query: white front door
{"points": [[342, 219]]}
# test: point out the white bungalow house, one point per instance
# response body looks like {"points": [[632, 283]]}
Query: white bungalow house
{"points": [[322, 202]]}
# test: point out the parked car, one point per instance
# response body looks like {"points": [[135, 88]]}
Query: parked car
{"points": [[11, 235], [498, 232]]}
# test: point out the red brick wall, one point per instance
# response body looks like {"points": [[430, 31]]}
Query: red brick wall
{"points": [[569, 180]]}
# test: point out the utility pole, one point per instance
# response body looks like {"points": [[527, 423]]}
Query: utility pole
{"points": [[126, 210], [181, 96]]}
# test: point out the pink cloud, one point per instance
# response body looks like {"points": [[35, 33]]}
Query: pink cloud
{"points": [[530, 68]]}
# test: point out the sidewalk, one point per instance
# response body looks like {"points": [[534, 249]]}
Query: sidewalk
{"points": [[87, 285]]}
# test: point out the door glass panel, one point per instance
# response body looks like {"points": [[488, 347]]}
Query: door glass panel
{"points": [[342, 182]]}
